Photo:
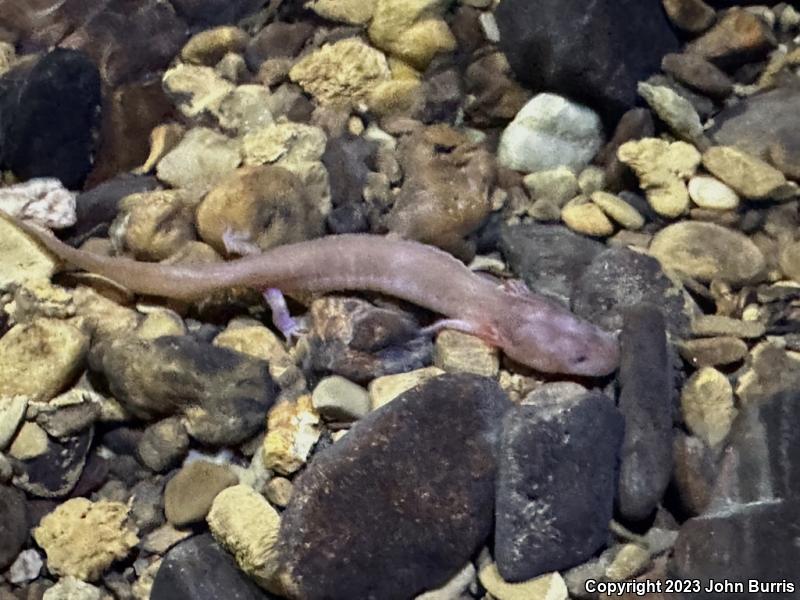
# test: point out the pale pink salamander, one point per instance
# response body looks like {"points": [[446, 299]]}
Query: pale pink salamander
{"points": [[529, 328]]}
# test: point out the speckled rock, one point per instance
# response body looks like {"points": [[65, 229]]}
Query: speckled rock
{"points": [[550, 132], [201, 160], [383, 390], [195, 89], [190, 493], [414, 31], [262, 205], [341, 73], [707, 405], [433, 421], [751, 177], [708, 192], [45, 201], [209, 46], [279, 491], [82, 538], [677, 112], [338, 399], [13, 524], [545, 587], [707, 251], [244, 523], [558, 468], [163, 445], [293, 428], [41, 358], [457, 352], [21, 258], [662, 168]]}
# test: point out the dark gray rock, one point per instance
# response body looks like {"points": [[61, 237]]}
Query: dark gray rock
{"points": [[548, 258], [94, 475], [403, 501], [443, 94], [164, 445], [619, 278], [215, 12], [699, 74], [69, 420], [56, 472], [349, 160], [743, 543], [13, 524], [277, 40], [595, 51], [357, 340], [147, 508], [228, 393], [646, 400], [694, 473], [556, 484], [198, 569], [49, 114]]}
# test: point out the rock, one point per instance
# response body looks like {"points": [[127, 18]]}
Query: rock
{"points": [[708, 192], [147, 507], [770, 371], [210, 46], [789, 259], [692, 16], [342, 73], [433, 421], [245, 109], [594, 53], [275, 41], [619, 210], [292, 431], [45, 201], [707, 251], [558, 468], [30, 442], [498, 97], [69, 414], [383, 390], [39, 359], [215, 12], [557, 185], [717, 325], [13, 524], [457, 352], [22, 259], [662, 168], [352, 12], [619, 278], [583, 216], [694, 473], [349, 160], [163, 445], [749, 176], [244, 523], [738, 37], [224, 394], [82, 538], [12, 413], [195, 90], [49, 114], [414, 32], [710, 352], [200, 161], [635, 124], [190, 493], [56, 472], [545, 587], [548, 258], [677, 112], [702, 105], [70, 588], [354, 339], [263, 205], [707, 405], [279, 491], [200, 568], [338, 399], [646, 402], [699, 74], [26, 568], [160, 540], [549, 132]]}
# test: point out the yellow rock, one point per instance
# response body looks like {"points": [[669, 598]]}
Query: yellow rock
{"points": [[707, 405], [209, 46], [383, 390], [457, 352], [398, 96], [545, 587], [586, 217], [749, 176], [354, 12], [82, 538], [21, 258], [619, 210], [31, 441], [292, 430]]}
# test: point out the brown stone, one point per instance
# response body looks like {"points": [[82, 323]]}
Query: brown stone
{"points": [[697, 73], [739, 37], [692, 16], [709, 352]]}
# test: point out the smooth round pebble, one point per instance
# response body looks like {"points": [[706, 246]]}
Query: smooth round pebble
{"points": [[188, 496], [707, 405], [339, 399], [709, 192], [587, 218], [619, 210]]}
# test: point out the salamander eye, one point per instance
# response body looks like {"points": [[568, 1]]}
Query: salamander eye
{"points": [[579, 360]]}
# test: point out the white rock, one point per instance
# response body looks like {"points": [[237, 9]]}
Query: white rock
{"points": [[709, 192], [489, 25], [45, 201], [26, 567], [549, 132]]}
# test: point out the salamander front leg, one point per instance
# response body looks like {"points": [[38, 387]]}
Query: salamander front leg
{"points": [[290, 327], [485, 332]]}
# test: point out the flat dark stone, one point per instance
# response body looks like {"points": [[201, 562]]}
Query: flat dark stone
{"points": [[556, 484], [13, 524], [56, 472], [403, 501]]}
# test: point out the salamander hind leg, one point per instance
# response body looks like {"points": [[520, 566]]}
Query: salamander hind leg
{"points": [[290, 327]]}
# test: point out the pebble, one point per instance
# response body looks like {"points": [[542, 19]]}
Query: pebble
{"points": [[457, 352], [789, 260], [619, 210], [245, 109], [30, 442], [353, 12], [738, 37], [557, 186], [630, 560], [677, 112], [45, 201], [83, 538], [22, 259], [201, 160], [293, 428], [26, 567], [338, 399], [160, 540], [592, 179], [277, 40], [693, 16], [383, 390], [586, 217], [279, 491], [247, 526], [706, 251], [549, 132], [210, 46], [154, 225], [710, 352], [163, 445], [708, 192], [159, 322], [195, 90], [544, 587], [718, 325], [189, 494], [13, 524], [707, 405], [71, 588], [751, 177], [699, 74], [12, 413], [39, 359]]}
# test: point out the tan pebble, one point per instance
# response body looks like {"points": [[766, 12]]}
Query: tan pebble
{"points": [[710, 352], [550, 586], [619, 210], [708, 192], [163, 139], [209, 46], [30, 442], [383, 390], [293, 428], [707, 405], [279, 491], [583, 216], [457, 352], [751, 177]]}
